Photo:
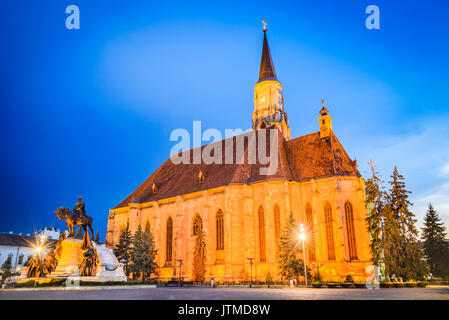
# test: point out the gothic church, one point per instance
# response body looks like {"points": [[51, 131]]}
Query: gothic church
{"points": [[242, 212]]}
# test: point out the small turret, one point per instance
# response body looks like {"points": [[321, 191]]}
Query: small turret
{"points": [[325, 122]]}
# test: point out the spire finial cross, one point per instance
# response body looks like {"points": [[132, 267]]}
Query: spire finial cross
{"points": [[264, 25]]}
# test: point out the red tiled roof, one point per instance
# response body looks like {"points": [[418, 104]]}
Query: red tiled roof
{"points": [[300, 159]]}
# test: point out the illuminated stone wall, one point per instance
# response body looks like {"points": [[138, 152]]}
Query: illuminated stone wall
{"points": [[240, 205]]}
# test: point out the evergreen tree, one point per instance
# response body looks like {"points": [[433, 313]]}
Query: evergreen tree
{"points": [[375, 199], [136, 253], [6, 269], [122, 250], [268, 278], [289, 248], [97, 237], [143, 253], [436, 249], [199, 257], [403, 256]]}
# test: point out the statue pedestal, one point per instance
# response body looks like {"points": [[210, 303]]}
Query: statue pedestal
{"points": [[108, 268], [71, 257]]}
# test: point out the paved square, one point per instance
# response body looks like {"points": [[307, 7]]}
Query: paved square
{"points": [[146, 293]]}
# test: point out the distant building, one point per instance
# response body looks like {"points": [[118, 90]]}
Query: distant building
{"points": [[20, 247], [50, 233]]}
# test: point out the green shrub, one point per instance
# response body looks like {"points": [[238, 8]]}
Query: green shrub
{"points": [[111, 283], [40, 283], [318, 278], [349, 278], [398, 285], [422, 284], [411, 284], [346, 284], [386, 284]]}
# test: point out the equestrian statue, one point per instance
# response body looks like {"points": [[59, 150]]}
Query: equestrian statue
{"points": [[76, 218]]}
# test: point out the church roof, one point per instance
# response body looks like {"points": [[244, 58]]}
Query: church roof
{"points": [[267, 71], [301, 159]]}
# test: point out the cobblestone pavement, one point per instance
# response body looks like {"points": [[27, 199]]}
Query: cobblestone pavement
{"points": [[433, 293]]}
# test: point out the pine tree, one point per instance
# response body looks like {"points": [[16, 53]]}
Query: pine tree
{"points": [[143, 253], [289, 248], [199, 257], [403, 256], [375, 199], [136, 253], [436, 249], [6, 269], [122, 250], [97, 237]]}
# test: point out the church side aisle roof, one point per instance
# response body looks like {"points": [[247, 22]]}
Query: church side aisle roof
{"points": [[301, 159]]}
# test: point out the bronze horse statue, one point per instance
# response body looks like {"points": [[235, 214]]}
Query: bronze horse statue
{"points": [[73, 219]]}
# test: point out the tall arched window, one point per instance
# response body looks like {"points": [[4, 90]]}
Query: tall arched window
{"points": [[220, 230], [350, 231], [329, 231], [309, 222], [197, 225], [169, 241], [277, 223], [263, 255]]}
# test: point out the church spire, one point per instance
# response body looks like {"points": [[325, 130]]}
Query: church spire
{"points": [[267, 71], [268, 97]]}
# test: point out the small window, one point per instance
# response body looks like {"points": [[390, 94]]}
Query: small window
{"points": [[169, 241], [323, 121], [153, 188], [263, 253], [329, 231], [20, 259], [220, 230], [277, 223]]}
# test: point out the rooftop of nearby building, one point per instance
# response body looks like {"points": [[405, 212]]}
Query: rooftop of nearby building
{"points": [[15, 240]]}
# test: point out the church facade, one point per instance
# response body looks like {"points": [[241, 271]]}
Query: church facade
{"points": [[242, 212]]}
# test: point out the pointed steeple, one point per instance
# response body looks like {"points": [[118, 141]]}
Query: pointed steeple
{"points": [[267, 71], [268, 97]]}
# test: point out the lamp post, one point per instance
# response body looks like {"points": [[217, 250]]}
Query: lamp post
{"points": [[302, 237], [251, 268]]}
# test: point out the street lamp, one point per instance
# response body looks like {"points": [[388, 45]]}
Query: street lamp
{"points": [[302, 237], [251, 267]]}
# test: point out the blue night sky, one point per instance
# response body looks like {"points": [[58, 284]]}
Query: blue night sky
{"points": [[89, 112]]}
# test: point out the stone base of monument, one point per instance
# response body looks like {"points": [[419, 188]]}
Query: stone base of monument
{"points": [[108, 267], [71, 257]]}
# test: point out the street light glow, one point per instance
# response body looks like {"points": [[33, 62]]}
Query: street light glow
{"points": [[302, 237], [302, 234]]}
